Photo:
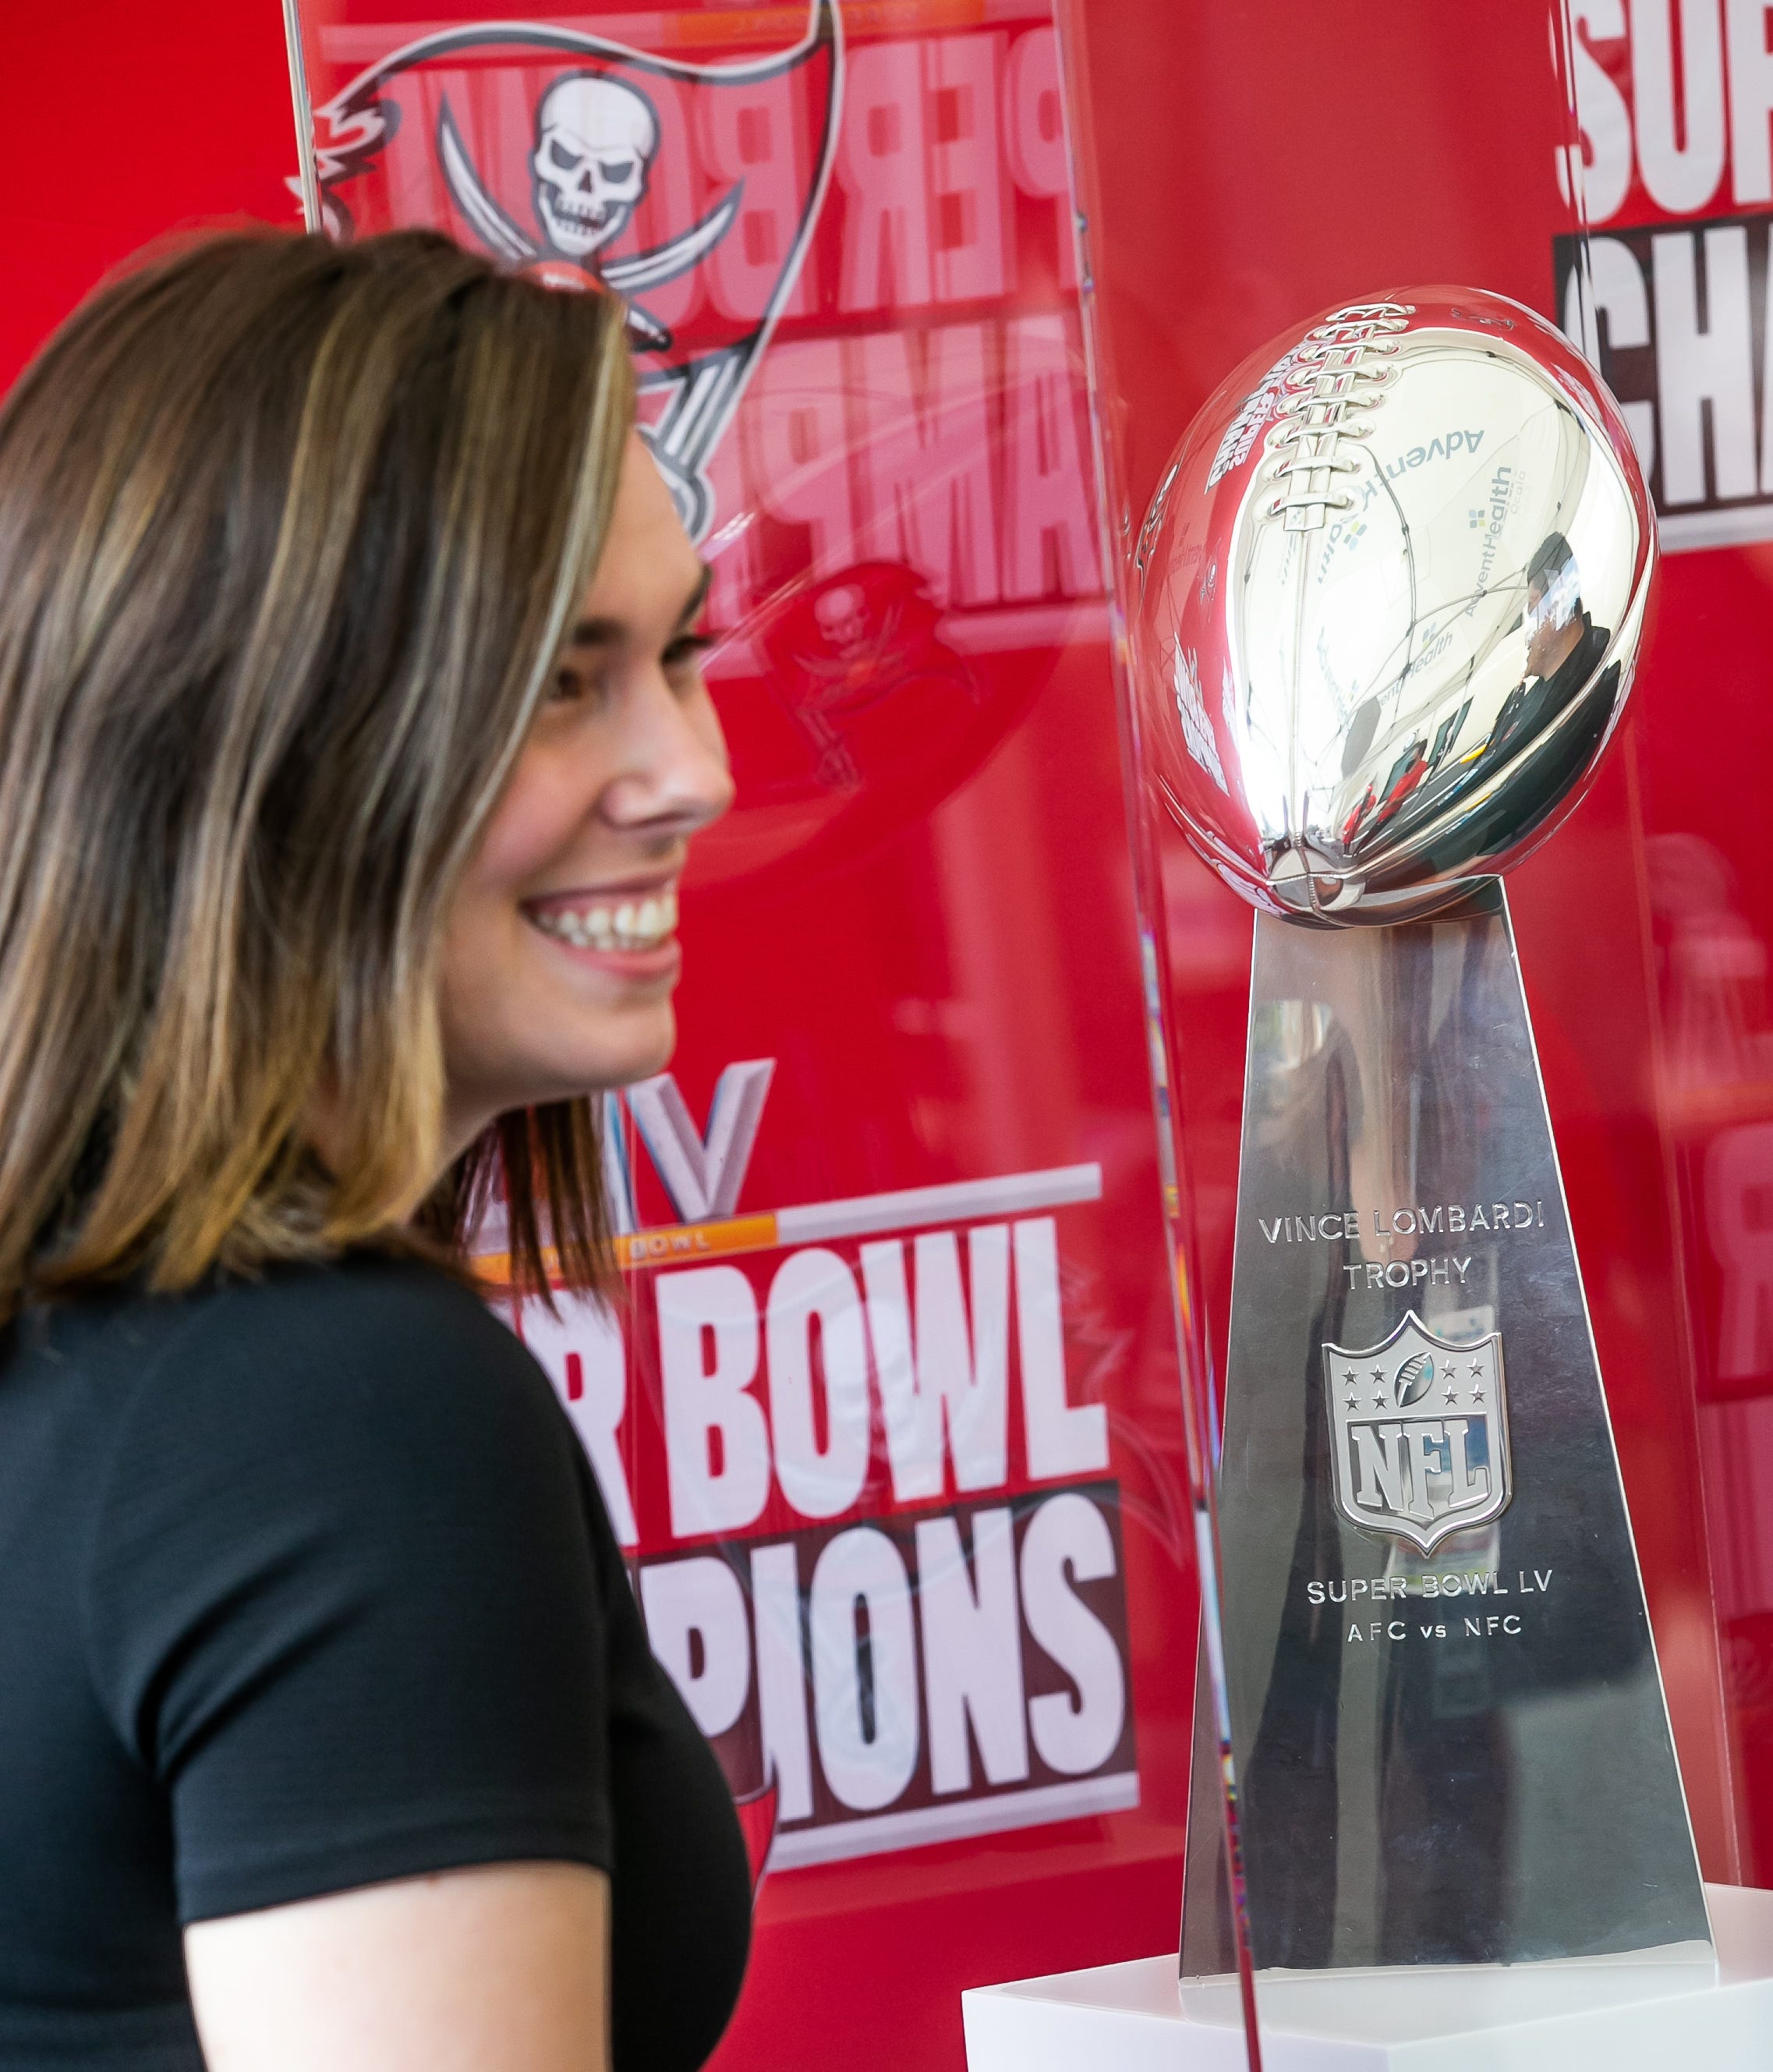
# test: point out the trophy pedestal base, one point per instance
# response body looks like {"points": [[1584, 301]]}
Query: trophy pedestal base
{"points": [[1627, 2016]]}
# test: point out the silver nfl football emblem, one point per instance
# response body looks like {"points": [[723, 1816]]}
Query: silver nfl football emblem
{"points": [[1421, 1433]]}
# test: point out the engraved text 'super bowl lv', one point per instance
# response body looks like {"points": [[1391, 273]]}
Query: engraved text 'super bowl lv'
{"points": [[1387, 602]]}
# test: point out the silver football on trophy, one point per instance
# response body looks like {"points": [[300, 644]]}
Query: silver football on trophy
{"points": [[1387, 602]]}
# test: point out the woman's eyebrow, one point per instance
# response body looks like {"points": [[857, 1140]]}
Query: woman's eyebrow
{"points": [[607, 632]]}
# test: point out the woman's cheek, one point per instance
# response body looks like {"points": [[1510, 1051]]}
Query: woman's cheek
{"points": [[532, 824]]}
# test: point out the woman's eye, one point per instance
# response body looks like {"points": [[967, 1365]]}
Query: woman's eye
{"points": [[686, 650], [572, 687]]}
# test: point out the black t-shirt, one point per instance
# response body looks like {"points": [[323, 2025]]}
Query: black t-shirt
{"points": [[305, 1584]]}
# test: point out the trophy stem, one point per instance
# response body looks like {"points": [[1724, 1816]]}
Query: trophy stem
{"points": [[1445, 1706]]}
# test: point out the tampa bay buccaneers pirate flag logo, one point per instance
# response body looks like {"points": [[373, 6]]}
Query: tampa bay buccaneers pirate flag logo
{"points": [[690, 190]]}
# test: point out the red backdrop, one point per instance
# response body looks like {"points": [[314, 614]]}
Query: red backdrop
{"points": [[950, 988]]}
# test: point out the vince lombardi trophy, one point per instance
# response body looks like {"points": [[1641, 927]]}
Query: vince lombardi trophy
{"points": [[1387, 604]]}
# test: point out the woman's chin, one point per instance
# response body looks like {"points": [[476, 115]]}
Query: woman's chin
{"points": [[642, 1047]]}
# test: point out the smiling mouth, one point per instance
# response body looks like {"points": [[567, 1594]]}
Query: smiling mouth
{"points": [[606, 924]]}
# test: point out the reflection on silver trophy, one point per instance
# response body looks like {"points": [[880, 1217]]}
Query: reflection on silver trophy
{"points": [[1387, 604], [1408, 569]]}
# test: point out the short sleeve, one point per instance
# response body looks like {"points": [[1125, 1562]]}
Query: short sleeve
{"points": [[343, 1595]]}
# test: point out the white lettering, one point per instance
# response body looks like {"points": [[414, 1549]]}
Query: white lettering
{"points": [[864, 1675], [1050, 542], [1750, 100], [1427, 1456], [1695, 366], [797, 446], [750, 137], [1619, 293], [1680, 154], [1063, 1438], [939, 1373], [969, 205], [883, 166], [580, 1346], [1034, 130], [618, 1177], [1605, 120], [815, 1287], [1068, 1542], [716, 1443], [927, 460], [972, 1651], [702, 1177]]}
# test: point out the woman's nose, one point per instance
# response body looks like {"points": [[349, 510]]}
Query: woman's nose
{"points": [[676, 776]]}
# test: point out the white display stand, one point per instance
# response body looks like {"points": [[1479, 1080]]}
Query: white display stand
{"points": [[1614, 2017]]}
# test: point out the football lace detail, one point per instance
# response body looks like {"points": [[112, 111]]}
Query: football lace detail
{"points": [[1339, 368]]}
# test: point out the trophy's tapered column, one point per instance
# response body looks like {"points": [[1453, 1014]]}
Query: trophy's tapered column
{"points": [[1445, 1709]]}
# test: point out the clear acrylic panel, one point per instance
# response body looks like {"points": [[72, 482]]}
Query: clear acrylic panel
{"points": [[1424, 1820], [1672, 300], [872, 253], [1667, 284]]}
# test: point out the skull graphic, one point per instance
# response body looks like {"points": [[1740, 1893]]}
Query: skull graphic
{"points": [[595, 138], [841, 615]]}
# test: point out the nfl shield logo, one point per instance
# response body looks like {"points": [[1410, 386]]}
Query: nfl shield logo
{"points": [[1421, 1433]]}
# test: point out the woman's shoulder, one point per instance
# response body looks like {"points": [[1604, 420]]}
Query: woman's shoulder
{"points": [[375, 1370], [365, 1315], [345, 1534], [366, 1298]]}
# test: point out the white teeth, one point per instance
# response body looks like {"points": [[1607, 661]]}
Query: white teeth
{"points": [[632, 926]]}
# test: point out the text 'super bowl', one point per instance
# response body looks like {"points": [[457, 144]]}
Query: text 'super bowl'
{"points": [[1387, 602]]}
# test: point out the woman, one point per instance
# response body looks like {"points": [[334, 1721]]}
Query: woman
{"points": [[351, 734]]}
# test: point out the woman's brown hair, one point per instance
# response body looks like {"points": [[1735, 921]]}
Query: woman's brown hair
{"points": [[290, 535]]}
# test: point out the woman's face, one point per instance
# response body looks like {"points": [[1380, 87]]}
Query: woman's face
{"points": [[561, 954]]}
